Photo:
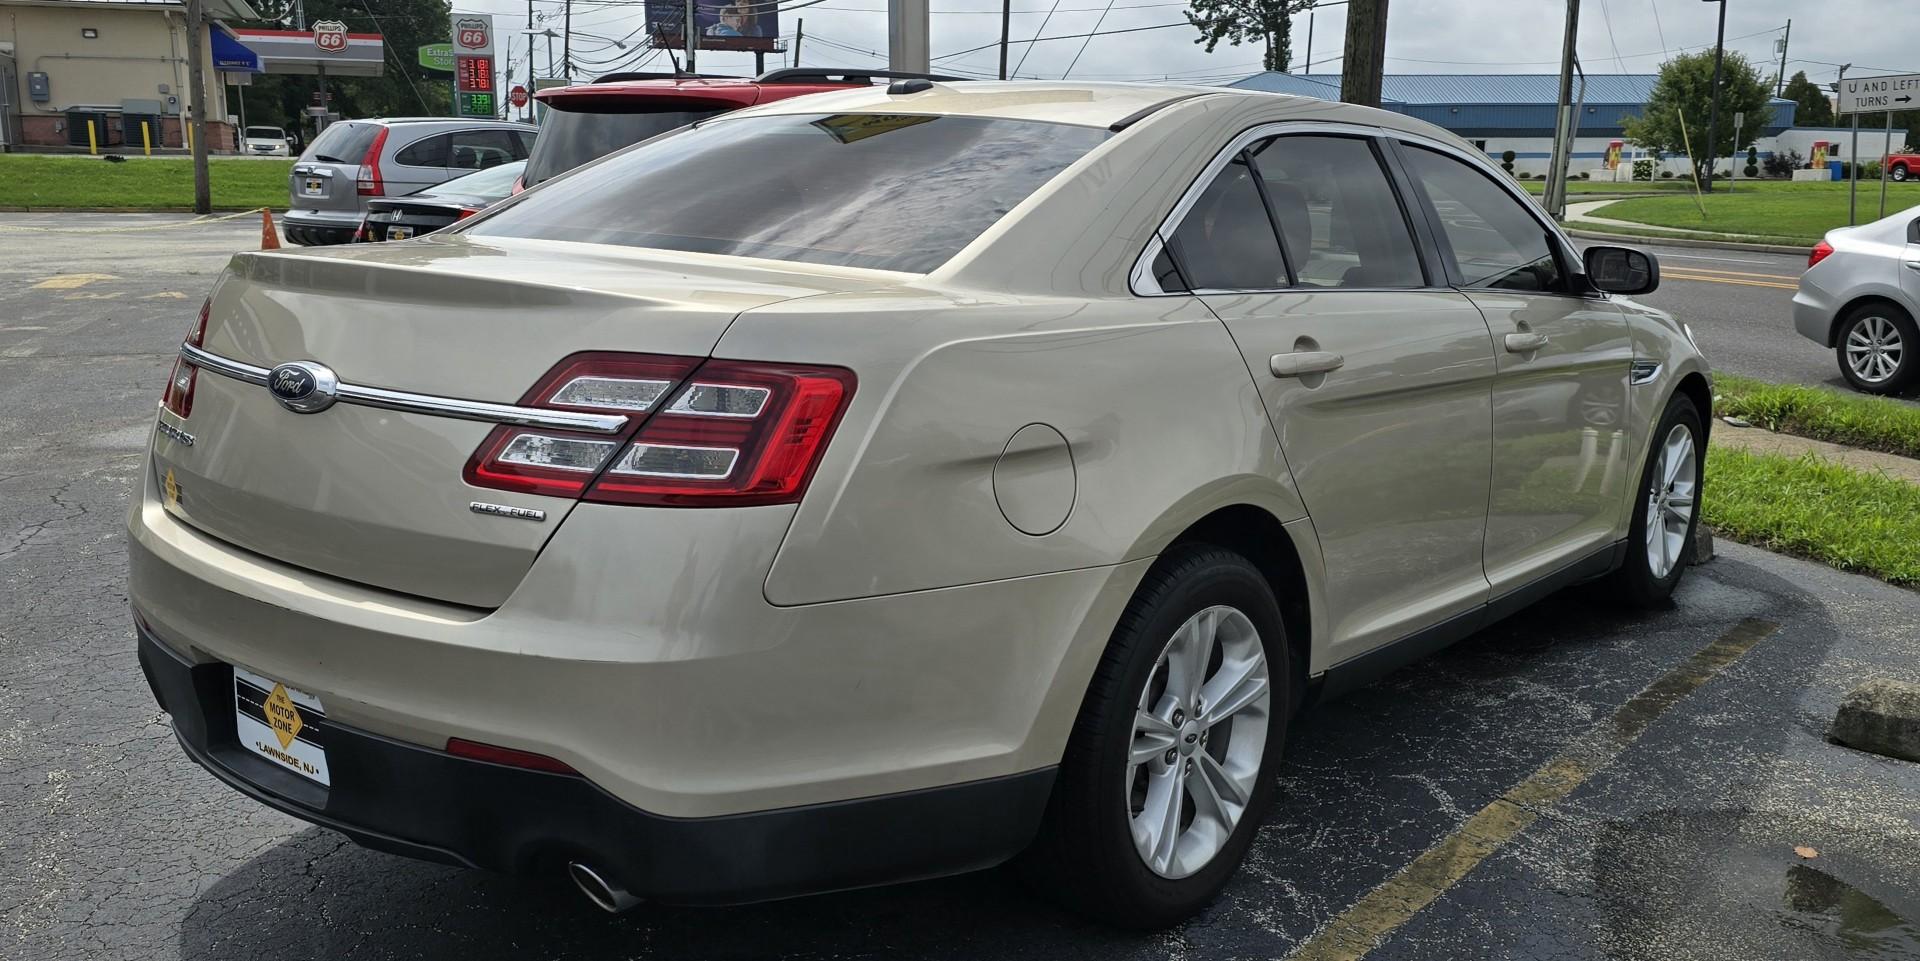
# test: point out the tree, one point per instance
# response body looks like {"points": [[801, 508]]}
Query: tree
{"points": [[403, 90], [1685, 88], [1812, 108], [1246, 21]]}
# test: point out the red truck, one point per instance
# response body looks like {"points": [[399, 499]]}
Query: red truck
{"points": [[1903, 166]]}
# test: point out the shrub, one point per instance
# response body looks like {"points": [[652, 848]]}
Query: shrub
{"points": [[1643, 169], [1666, 175], [1753, 162], [1506, 160], [1784, 164], [1583, 175]]}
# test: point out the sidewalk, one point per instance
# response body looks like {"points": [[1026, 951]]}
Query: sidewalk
{"points": [[1760, 440]]}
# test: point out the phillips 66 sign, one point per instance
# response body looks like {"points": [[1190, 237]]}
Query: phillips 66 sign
{"points": [[330, 35]]}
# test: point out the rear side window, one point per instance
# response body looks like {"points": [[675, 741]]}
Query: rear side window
{"points": [[569, 138], [1226, 241], [1338, 214], [1495, 242], [889, 191], [431, 152], [342, 143], [480, 149]]}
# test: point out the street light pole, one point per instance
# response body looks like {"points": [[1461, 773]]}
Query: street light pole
{"points": [[1563, 115], [1713, 111]]}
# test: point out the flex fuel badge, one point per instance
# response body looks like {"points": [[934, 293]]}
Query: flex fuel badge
{"points": [[282, 716]]}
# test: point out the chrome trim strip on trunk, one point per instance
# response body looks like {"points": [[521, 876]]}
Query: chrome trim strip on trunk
{"points": [[411, 403]]}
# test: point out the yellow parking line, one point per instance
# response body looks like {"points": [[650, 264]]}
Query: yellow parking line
{"points": [[1691, 269], [1702, 278], [1356, 931]]}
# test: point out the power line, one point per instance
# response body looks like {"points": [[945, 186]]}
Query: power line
{"points": [[1085, 43], [1029, 48], [1070, 36]]}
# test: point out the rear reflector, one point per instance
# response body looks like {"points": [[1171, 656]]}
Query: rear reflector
{"points": [[178, 395], [476, 751], [730, 433], [1821, 251]]}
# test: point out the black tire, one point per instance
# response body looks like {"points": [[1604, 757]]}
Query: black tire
{"points": [[299, 236], [1906, 373], [1635, 583], [1899, 172], [1085, 856]]}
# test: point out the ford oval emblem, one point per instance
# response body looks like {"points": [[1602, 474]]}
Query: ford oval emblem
{"points": [[303, 386]]}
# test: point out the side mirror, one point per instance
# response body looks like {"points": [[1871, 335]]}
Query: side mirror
{"points": [[1622, 270]]}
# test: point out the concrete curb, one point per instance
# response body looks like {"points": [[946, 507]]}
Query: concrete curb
{"points": [[1632, 239]]}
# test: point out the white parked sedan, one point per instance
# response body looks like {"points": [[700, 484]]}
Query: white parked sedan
{"points": [[1860, 296]]}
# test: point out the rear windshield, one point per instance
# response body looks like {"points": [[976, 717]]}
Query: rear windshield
{"points": [[569, 138], [342, 143], [493, 183], [889, 191], [266, 133]]}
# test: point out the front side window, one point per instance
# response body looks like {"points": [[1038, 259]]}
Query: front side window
{"points": [[889, 191], [1337, 212], [480, 149], [1495, 241], [1226, 241]]}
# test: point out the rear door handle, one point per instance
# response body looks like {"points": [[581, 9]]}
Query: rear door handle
{"points": [[1913, 265], [1523, 343], [1301, 363]]}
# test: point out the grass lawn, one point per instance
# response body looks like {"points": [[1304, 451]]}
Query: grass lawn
{"points": [[1853, 520], [42, 180], [1856, 420], [1768, 211], [1577, 187]]}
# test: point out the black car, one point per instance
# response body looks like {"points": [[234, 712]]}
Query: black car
{"points": [[398, 218]]}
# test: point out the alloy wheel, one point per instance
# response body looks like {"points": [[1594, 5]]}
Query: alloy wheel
{"points": [[1670, 501], [1874, 349], [1199, 737]]}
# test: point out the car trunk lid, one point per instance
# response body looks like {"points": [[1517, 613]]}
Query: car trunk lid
{"points": [[376, 495]]}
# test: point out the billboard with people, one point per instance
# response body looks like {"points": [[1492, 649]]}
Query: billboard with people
{"points": [[717, 24]]}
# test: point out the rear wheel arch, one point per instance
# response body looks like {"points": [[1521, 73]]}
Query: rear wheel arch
{"points": [[1846, 310], [1257, 535]]}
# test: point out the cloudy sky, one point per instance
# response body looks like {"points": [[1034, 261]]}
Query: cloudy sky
{"points": [[1423, 36]]}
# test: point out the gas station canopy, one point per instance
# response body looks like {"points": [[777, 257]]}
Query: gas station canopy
{"points": [[315, 51]]}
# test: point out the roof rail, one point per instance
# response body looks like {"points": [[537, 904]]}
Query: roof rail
{"points": [[847, 75], [642, 75], [1148, 111]]}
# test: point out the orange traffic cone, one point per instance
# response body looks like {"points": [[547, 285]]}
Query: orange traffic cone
{"points": [[269, 238]]}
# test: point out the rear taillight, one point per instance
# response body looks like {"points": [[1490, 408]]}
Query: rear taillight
{"points": [[466, 212], [1821, 251], [178, 396], [370, 184], [730, 433]]}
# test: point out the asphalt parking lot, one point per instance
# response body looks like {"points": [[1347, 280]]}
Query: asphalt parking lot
{"points": [[1573, 783]]}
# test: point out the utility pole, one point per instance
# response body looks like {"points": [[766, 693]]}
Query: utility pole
{"points": [[1006, 26], [689, 35], [566, 42], [1780, 81], [1366, 56], [197, 109], [907, 36], [1713, 111], [1557, 169], [799, 33]]}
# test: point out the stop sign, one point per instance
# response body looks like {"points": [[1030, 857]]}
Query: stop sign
{"points": [[517, 96]]}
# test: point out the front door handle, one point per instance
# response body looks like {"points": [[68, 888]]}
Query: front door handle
{"points": [[1525, 343], [1301, 363], [1913, 265]]}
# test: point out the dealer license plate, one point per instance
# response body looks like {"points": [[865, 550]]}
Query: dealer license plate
{"points": [[282, 724], [397, 232], [314, 188]]}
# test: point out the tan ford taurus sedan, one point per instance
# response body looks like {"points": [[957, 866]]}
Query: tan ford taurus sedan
{"points": [[891, 483]]}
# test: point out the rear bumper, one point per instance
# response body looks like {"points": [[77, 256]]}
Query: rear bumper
{"points": [[427, 804], [1814, 310]]}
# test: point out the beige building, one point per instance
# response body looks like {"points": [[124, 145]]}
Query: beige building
{"points": [[119, 63]]}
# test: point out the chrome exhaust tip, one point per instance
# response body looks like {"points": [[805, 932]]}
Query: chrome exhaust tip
{"points": [[604, 894]]}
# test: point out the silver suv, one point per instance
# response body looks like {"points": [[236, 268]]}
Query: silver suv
{"points": [[354, 160]]}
